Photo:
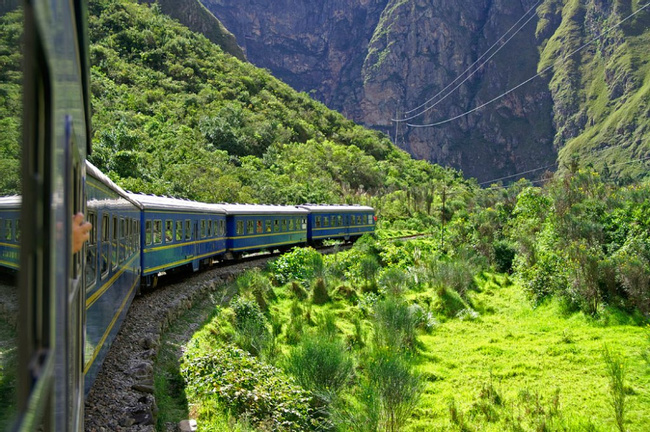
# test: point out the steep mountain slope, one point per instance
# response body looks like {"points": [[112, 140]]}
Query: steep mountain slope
{"points": [[601, 95], [196, 17], [374, 60]]}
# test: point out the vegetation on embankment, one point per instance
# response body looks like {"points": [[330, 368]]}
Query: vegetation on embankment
{"points": [[477, 353], [422, 334]]}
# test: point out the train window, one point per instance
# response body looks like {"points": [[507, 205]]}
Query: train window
{"points": [[259, 227], [212, 228], [127, 237], [169, 231], [179, 230], [114, 243], [122, 245], [276, 225], [17, 236], [8, 230], [91, 252], [250, 227], [132, 236], [291, 224], [222, 227], [359, 220], [157, 231], [284, 224], [188, 229], [103, 264], [352, 220], [340, 220], [147, 233], [370, 220], [268, 225], [202, 228], [317, 221], [239, 230], [326, 221]]}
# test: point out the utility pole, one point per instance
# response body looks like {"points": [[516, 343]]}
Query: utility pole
{"points": [[443, 217]]}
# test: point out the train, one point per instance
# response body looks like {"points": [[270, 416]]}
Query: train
{"points": [[70, 305]]}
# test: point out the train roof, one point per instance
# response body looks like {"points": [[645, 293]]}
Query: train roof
{"points": [[155, 202], [262, 209], [327, 208], [11, 202], [94, 172]]}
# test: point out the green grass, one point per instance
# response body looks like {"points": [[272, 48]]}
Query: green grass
{"points": [[536, 360]]}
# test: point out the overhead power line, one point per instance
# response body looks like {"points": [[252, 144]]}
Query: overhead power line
{"points": [[517, 174], [469, 68], [558, 61]]}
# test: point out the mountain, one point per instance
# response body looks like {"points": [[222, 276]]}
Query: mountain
{"points": [[197, 18], [375, 60]]}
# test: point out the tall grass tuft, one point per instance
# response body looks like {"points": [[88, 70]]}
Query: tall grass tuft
{"points": [[616, 371], [319, 294], [395, 324], [320, 364], [251, 333], [394, 280], [395, 385]]}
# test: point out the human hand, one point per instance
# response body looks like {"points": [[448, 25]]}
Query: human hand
{"points": [[80, 232]]}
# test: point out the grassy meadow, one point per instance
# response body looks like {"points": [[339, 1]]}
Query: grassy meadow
{"points": [[516, 367], [488, 359]]}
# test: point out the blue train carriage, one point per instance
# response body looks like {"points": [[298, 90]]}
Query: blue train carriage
{"points": [[112, 267], [253, 228], [338, 222], [10, 232], [179, 234]]}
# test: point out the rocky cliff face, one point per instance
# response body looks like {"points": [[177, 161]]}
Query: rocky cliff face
{"points": [[377, 60]]}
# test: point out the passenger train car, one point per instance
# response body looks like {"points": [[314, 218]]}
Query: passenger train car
{"points": [[253, 228], [338, 222], [71, 305], [178, 233], [112, 268], [10, 231]]}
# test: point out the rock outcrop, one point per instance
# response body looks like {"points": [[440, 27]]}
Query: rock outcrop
{"points": [[375, 59], [378, 60]]}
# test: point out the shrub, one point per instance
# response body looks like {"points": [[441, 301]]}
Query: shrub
{"points": [[504, 255], [255, 283], [250, 326], [393, 280], [457, 274], [449, 302], [397, 388], [319, 295], [369, 268], [321, 365], [298, 290], [395, 324], [616, 370], [251, 389], [298, 265], [345, 292]]}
